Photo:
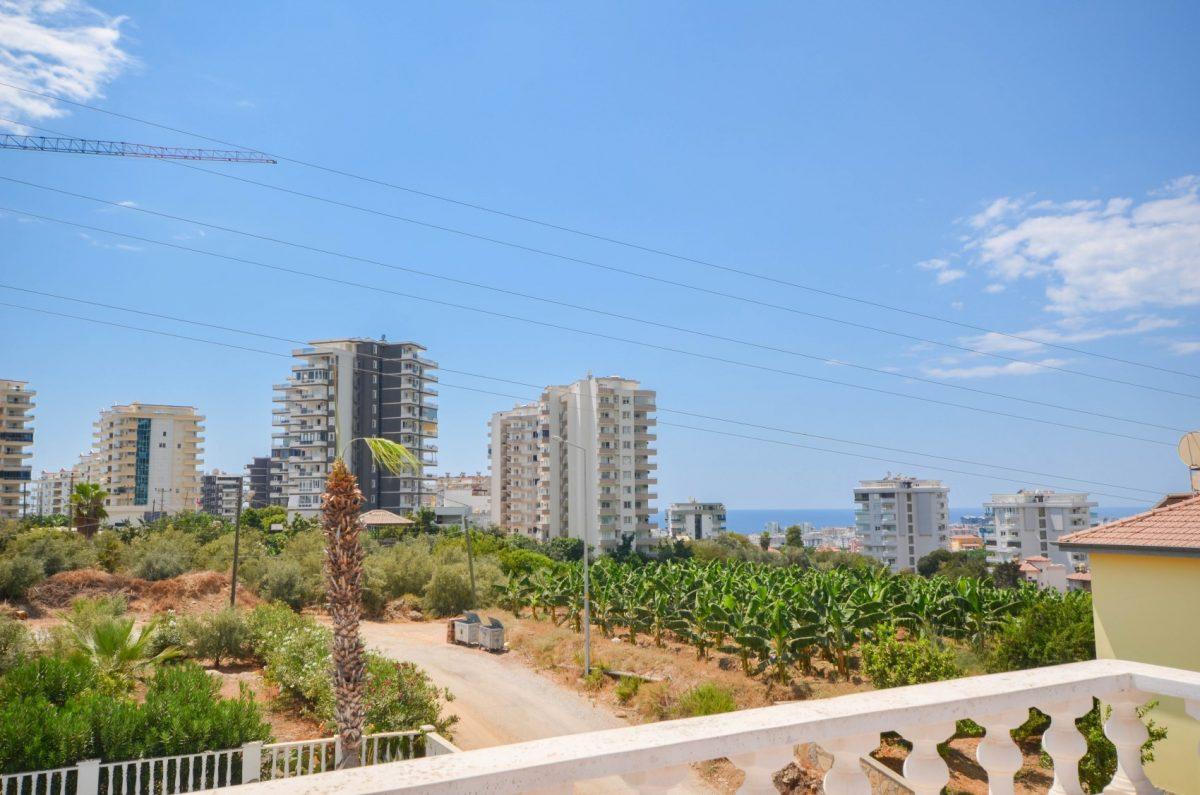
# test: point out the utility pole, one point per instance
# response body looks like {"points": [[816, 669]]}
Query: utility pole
{"points": [[237, 535], [470, 554]]}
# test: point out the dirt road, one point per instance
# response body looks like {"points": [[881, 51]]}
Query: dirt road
{"points": [[497, 699]]}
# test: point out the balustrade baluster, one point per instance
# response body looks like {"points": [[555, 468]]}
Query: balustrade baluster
{"points": [[1127, 732], [1065, 744], [847, 777], [997, 752], [924, 769], [760, 768]]}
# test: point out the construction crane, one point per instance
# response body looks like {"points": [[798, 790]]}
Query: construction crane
{"points": [[84, 146]]}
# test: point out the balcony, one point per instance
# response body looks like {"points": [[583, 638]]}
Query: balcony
{"points": [[654, 757]]}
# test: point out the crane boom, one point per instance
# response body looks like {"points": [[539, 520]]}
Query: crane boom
{"points": [[85, 146]]}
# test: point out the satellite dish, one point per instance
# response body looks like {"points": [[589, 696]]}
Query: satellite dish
{"points": [[1189, 449]]}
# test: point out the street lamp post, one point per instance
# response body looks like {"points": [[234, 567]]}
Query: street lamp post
{"points": [[470, 554], [587, 582]]}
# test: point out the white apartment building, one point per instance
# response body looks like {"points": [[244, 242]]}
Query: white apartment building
{"points": [[900, 519], [1029, 522], [16, 443], [147, 457], [219, 494], [695, 520], [471, 492], [344, 389], [51, 493], [601, 474], [513, 454]]}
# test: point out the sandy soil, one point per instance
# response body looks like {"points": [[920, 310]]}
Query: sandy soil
{"points": [[498, 699]]}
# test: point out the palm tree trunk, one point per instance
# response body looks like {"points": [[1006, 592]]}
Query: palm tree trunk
{"points": [[344, 568]]}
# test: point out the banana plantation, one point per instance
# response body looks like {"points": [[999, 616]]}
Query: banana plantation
{"points": [[774, 620]]}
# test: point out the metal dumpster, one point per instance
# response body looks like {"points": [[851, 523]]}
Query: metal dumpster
{"points": [[466, 629], [491, 635]]}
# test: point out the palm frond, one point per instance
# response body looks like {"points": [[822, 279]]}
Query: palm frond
{"points": [[392, 456]]}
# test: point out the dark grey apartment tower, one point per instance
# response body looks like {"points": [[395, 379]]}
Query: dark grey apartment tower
{"points": [[341, 391], [264, 482]]}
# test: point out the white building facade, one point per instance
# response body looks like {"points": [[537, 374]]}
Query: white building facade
{"points": [[579, 460], [900, 519], [147, 457], [16, 447], [472, 493], [695, 520], [50, 494], [344, 389], [1029, 522]]}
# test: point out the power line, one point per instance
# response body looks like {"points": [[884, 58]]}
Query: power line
{"points": [[276, 354], [590, 263], [600, 335], [635, 319], [609, 239]]}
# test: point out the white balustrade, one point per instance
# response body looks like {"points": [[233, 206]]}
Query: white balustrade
{"points": [[654, 758], [924, 769], [997, 753], [1065, 745], [1127, 732]]}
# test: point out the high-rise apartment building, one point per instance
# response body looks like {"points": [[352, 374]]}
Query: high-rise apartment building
{"points": [[901, 519], [1028, 523], [696, 520], [264, 482], [219, 494], [585, 450], [50, 494], [516, 443], [147, 457], [344, 389], [16, 442]]}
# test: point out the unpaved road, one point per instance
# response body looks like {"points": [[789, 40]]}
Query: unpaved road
{"points": [[497, 699]]}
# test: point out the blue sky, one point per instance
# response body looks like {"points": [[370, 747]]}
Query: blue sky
{"points": [[1026, 168]]}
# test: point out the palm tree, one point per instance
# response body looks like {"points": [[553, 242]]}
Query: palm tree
{"points": [[340, 507], [120, 657], [87, 504]]}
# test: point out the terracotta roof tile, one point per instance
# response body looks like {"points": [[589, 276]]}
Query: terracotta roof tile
{"points": [[1175, 527], [1082, 576]]}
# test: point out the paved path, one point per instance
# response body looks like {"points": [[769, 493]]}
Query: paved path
{"points": [[497, 699]]}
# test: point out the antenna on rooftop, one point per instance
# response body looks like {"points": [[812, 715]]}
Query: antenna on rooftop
{"points": [[1189, 453]]}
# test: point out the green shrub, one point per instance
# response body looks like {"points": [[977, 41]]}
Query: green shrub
{"points": [[400, 696], [110, 552], [449, 590], [168, 634], [705, 699], [15, 644], [56, 680], [627, 688], [57, 550], [186, 713], [289, 582], [1050, 631], [893, 663], [224, 634], [38, 735], [163, 555], [17, 575], [522, 561], [404, 568], [217, 555]]}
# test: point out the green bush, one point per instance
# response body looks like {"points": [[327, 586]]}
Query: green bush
{"points": [[1050, 631], [57, 550], [627, 688], [288, 581], [449, 590], [17, 575], [893, 663], [705, 699], [37, 735], [56, 680], [217, 555], [522, 561], [168, 634], [224, 634], [15, 643], [400, 696], [163, 555], [404, 568]]}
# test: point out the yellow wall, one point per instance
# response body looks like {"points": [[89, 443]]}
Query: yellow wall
{"points": [[1147, 609]]}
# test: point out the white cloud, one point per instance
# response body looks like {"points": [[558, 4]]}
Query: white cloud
{"points": [[993, 370], [994, 288], [1185, 347], [957, 305], [941, 267], [62, 47], [1067, 331], [1097, 255]]}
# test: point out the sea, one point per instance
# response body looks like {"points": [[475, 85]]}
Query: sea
{"points": [[751, 521]]}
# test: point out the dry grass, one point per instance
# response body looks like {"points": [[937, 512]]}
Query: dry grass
{"points": [[194, 592]]}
